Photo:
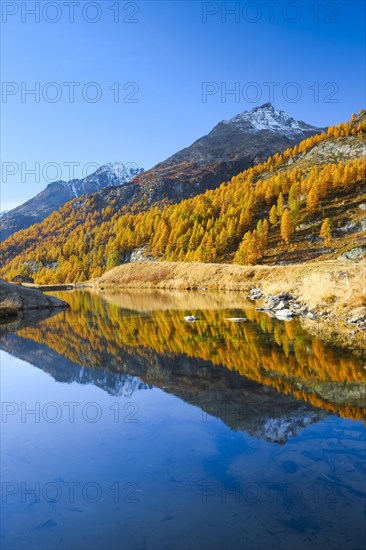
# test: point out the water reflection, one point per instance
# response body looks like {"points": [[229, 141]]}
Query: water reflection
{"points": [[211, 436], [145, 335]]}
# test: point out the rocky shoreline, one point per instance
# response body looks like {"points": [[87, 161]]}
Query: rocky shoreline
{"points": [[285, 306]]}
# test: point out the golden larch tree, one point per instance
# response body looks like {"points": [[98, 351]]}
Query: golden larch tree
{"points": [[280, 205], [312, 201], [326, 232], [287, 226], [273, 215]]}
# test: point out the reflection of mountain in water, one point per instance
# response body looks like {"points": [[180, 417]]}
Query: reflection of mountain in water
{"points": [[242, 404], [64, 370], [256, 364]]}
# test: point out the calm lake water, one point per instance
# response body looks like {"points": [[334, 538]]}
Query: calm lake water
{"points": [[125, 427]]}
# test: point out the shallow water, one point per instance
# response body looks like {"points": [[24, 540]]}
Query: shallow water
{"points": [[125, 427]]}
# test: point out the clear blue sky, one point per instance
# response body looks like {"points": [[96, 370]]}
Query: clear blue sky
{"points": [[169, 52]]}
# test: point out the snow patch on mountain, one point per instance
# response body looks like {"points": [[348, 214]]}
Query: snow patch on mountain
{"points": [[266, 117], [110, 174]]}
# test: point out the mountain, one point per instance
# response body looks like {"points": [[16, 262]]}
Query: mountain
{"points": [[247, 138], [230, 147], [56, 194], [319, 181]]}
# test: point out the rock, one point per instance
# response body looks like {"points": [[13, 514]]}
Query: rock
{"points": [[137, 255], [271, 303], [310, 315], [190, 318], [283, 296], [256, 293], [17, 298], [349, 227], [362, 206], [363, 224], [281, 305], [353, 254], [357, 319], [22, 279], [285, 314], [270, 313]]}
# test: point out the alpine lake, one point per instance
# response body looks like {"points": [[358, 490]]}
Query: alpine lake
{"points": [[126, 427]]}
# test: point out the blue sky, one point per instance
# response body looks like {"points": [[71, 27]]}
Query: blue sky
{"points": [[163, 53]]}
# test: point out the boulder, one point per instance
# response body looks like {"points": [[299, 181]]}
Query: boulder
{"points": [[256, 293], [353, 254], [285, 314], [22, 279], [14, 298], [281, 305]]}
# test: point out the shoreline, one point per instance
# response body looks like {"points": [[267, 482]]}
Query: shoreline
{"points": [[332, 293]]}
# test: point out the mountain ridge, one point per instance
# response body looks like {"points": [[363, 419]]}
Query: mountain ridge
{"points": [[226, 150], [223, 224], [57, 193]]}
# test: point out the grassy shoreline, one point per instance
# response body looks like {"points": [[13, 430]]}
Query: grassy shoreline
{"points": [[335, 291]]}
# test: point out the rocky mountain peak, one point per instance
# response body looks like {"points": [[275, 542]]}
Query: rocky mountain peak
{"points": [[267, 117]]}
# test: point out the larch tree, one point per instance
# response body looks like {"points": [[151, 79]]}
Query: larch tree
{"points": [[280, 205], [287, 226], [312, 201], [326, 232], [273, 215]]}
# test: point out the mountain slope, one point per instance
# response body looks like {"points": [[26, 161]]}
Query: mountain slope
{"points": [[84, 239], [57, 193], [248, 137], [230, 147]]}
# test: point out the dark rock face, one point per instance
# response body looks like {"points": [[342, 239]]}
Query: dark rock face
{"points": [[18, 298], [56, 194]]}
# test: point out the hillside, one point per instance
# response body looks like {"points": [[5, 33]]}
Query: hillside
{"points": [[57, 193], [230, 147], [271, 213]]}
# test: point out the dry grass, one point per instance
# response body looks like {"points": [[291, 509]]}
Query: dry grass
{"points": [[336, 285]]}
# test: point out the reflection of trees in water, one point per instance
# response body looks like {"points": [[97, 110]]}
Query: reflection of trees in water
{"points": [[273, 353]]}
